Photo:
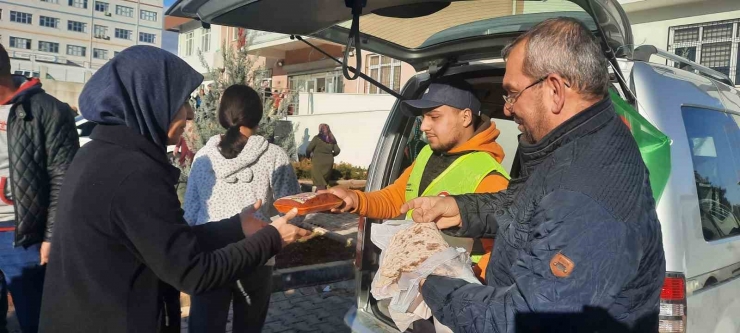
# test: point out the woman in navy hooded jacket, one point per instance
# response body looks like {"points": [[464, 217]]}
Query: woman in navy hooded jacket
{"points": [[120, 229]]}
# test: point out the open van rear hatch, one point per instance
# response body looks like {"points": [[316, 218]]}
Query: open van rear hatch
{"points": [[419, 32]]}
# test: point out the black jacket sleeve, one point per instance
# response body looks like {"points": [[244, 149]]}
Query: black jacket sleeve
{"points": [[604, 251], [478, 212], [151, 221], [62, 143]]}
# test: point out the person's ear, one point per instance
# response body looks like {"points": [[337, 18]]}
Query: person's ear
{"points": [[467, 117], [555, 86]]}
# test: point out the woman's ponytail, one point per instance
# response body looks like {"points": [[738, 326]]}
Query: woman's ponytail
{"points": [[232, 142], [240, 106]]}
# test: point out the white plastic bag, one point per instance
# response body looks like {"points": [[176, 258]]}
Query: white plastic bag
{"points": [[406, 303]]}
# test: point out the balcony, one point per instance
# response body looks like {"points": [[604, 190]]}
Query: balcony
{"points": [[309, 104], [261, 37], [275, 45]]}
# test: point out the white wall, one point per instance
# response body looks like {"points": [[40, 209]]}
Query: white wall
{"points": [[650, 27], [212, 57], [357, 133], [323, 103], [58, 72]]}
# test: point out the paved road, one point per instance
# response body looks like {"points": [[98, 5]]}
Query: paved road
{"points": [[310, 309]]}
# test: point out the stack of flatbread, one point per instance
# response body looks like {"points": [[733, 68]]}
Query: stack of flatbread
{"points": [[407, 250]]}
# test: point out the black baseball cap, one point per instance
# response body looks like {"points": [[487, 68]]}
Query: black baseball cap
{"points": [[459, 95]]}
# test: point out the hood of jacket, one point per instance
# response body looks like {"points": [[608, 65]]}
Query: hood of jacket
{"points": [[484, 140], [26, 88], [237, 169]]}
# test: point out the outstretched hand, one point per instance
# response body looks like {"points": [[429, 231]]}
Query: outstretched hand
{"points": [[348, 196], [441, 210]]}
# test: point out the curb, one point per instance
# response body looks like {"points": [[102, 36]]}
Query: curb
{"points": [[312, 275]]}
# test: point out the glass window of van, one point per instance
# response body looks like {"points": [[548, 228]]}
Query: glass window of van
{"points": [[714, 140]]}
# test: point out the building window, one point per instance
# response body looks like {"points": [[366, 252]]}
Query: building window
{"points": [[205, 40], [124, 11], [384, 70], [234, 33], [147, 37], [147, 15], [711, 44], [686, 35], [48, 47], [78, 3], [123, 33], [100, 31], [101, 6], [49, 22], [719, 31], [20, 17], [78, 51], [20, 43], [50, 1], [115, 53], [189, 43], [717, 56], [325, 82], [76, 26], [100, 54]]}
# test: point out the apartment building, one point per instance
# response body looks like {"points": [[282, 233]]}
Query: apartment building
{"points": [[67, 40], [704, 31]]}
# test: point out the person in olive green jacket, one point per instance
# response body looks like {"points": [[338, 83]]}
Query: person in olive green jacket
{"points": [[322, 149]]}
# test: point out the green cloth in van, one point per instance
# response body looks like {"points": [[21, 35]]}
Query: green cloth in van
{"points": [[655, 146]]}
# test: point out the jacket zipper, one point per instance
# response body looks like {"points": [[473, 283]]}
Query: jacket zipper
{"points": [[11, 118]]}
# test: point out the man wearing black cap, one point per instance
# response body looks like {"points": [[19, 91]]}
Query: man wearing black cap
{"points": [[461, 157]]}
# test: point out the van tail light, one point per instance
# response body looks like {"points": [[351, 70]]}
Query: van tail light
{"points": [[672, 317]]}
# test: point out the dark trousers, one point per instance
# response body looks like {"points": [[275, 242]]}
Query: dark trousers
{"points": [[24, 279], [170, 314], [209, 311]]}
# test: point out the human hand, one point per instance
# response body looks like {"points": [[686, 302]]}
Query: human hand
{"points": [[250, 223], [289, 232], [441, 210], [44, 253], [349, 197]]}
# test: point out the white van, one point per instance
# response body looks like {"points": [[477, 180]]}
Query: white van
{"points": [[697, 107]]}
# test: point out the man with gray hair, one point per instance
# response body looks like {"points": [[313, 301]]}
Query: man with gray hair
{"points": [[578, 243]]}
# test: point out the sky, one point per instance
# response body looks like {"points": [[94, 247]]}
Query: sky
{"points": [[169, 39]]}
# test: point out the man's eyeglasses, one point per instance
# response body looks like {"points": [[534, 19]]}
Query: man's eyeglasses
{"points": [[512, 99]]}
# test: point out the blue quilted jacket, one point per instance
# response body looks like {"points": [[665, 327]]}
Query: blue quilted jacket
{"points": [[578, 243]]}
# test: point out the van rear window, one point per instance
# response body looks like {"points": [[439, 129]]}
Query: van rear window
{"points": [[714, 140]]}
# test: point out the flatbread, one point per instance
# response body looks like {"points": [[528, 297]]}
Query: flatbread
{"points": [[407, 250]]}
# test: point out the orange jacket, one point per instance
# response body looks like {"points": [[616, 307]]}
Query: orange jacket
{"points": [[386, 203]]}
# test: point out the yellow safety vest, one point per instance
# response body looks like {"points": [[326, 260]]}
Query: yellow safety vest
{"points": [[461, 177]]}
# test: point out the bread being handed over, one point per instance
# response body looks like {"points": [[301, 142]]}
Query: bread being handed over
{"points": [[407, 250], [308, 203]]}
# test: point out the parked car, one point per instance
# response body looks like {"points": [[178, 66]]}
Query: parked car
{"points": [[697, 107], [85, 128]]}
